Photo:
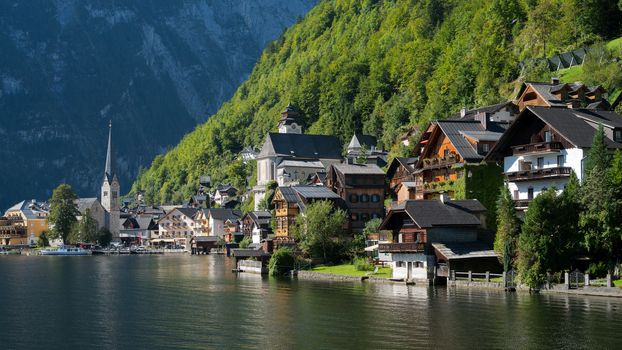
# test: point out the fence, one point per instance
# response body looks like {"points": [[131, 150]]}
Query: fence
{"points": [[572, 280], [471, 276]]}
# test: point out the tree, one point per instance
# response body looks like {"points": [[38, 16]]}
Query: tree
{"points": [[84, 230], [281, 261], [508, 229], [597, 156], [266, 202], [63, 211], [319, 228], [43, 240], [372, 226], [245, 242], [104, 237]]}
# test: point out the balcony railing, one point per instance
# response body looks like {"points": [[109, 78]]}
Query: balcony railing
{"points": [[438, 163], [522, 203], [539, 147], [401, 247], [538, 174]]}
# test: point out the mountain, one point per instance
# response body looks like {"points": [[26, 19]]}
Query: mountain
{"points": [[379, 67], [156, 68]]}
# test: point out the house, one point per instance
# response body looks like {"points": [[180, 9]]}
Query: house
{"points": [[297, 172], [289, 202], [419, 224], [232, 233], [406, 191], [138, 229], [257, 225], [224, 193], [290, 144], [32, 215], [544, 145], [199, 201], [96, 210], [12, 232], [203, 244], [362, 187], [365, 146], [212, 221], [248, 153], [176, 227], [401, 169], [557, 94], [317, 179]]}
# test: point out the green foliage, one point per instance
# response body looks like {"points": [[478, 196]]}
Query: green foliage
{"points": [[602, 68], [508, 229], [483, 184], [319, 230], [84, 230], [245, 242], [372, 66], [372, 226], [281, 261], [104, 237], [43, 240], [63, 211], [266, 202], [597, 269], [363, 264], [598, 155]]}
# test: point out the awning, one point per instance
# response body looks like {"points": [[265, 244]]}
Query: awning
{"points": [[371, 248]]}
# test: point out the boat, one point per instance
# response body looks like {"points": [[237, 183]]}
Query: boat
{"points": [[9, 252], [65, 251]]}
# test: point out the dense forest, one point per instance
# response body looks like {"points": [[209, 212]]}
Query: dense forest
{"points": [[379, 67]]}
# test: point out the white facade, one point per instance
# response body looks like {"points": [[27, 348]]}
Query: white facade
{"points": [[411, 266], [176, 227], [525, 190]]}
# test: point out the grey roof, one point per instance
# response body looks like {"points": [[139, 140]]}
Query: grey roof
{"points": [[189, 212], [315, 192], [109, 171], [289, 194], [85, 203], [30, 208], [261, 217], [206, 238], [301, 164], [358, 169], [433, 212], [454, 130], [469, 250], [470, 113], [224, 213], [407, 163], [573, 123], [360, 140], [482, 135], [301, 146]]}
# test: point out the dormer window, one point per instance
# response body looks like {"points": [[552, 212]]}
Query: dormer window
{"points": [[617, 135], [547, 136]]}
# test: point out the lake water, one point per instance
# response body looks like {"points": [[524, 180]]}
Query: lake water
{"points": [[196, 302]]}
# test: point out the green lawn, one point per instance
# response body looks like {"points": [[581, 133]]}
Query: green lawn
{"points": [[350, 270], [572, 74], [617, 283], [615, 45]]}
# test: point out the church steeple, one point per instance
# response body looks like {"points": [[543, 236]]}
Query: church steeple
{"points": [[109, 171], [289, 123]]}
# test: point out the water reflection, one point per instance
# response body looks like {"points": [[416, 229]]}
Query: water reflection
{"points": [[197, 302]]}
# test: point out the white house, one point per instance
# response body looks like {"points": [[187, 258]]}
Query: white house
{"points": [[176, 227], [545, 145]]}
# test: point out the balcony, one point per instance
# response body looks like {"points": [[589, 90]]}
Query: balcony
{"points": [[439, 163], [539, 147], [401, 247], [539, 174], [521, 203]]}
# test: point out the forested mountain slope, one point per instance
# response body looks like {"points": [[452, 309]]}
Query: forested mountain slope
{"points": [[156, 68], [378, 67]]}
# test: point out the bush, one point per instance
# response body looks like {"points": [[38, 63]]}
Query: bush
{"points": [[245, 242], [363, 264], [281, 262], [597, 269]]}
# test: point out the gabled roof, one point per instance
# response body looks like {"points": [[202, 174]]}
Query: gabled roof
{"points": [[435, 213], [189, 212], [577, 126], [407, 163], [358, 169], [301, 164], [360, 140], [467, 250], [260, 218], [470, 113], [454, 129], [301, 146], [85, 203], [30, 209], [224, 213]]}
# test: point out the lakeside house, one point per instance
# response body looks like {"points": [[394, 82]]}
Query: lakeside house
{"points": [[430, 237], [27, 218], [12, 232], [362, 188], [544, 145], [401, 169], [256, 224], [212, 221], [138, 229], [290, 144], [176, 227]]}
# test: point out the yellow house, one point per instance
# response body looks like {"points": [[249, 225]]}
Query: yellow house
{"points": [[31, 215]]}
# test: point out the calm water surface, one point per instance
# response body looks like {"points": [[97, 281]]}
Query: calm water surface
{"points": [[196, 302]]}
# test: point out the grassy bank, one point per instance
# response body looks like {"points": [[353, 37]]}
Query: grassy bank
{"points": [[350, 270]]}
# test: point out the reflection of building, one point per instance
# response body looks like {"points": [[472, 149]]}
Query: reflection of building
{"points": [[291, 145], [361, 186], [31, 215], [544, 145]]}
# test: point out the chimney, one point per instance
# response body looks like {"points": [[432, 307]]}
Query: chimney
{"points": [[482, 117], [555, 80], [463, 112], [444, 197]]}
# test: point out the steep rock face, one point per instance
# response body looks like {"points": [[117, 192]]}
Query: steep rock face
{"points": [[155, 68]]}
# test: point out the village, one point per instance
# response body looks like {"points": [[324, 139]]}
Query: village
{"points": [[423, 219]]}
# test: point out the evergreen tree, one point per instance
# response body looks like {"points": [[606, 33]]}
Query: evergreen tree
{"points": [[598, 156], [508, 229], [84, 230], [63, 211], [104, 237]]}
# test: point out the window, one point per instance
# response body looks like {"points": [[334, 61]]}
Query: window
{"points": [[516, 194], [561, 159], [485, 147], [418, 263], [547, 136], [354, 217], [364, 217], [540, 162], [105, 193], [354, 198], [364, 198], [375, 198], [530, 193], [400, 264]]}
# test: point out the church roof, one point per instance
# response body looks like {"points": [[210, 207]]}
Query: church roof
{"points": [[109, 171], [301, 146]]}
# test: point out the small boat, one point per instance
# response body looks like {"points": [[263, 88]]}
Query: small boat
{"points": [[65, 251], [9, 252]]}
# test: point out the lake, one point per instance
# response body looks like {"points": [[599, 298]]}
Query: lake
{"points": [[196, 302]]}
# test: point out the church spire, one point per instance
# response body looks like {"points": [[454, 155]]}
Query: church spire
{"points": [[109, 171]]}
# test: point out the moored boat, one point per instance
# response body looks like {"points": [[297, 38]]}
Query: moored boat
{"points": [[65, 251]]}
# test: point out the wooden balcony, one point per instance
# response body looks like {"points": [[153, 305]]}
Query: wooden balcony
{"points": [[539, 174], [401, 247], [438, 163], [539, 147], [522, 203]]}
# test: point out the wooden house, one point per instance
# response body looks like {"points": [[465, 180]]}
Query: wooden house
{"points": [[558, 94]]}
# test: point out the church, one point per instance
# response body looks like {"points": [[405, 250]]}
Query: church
{"points": [[110, 191]]}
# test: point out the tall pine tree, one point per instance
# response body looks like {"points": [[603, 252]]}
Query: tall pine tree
{"points": [[508, 229]]}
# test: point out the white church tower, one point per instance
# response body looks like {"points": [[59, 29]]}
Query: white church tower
{"points": [[289, 122], [110, 192]]}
